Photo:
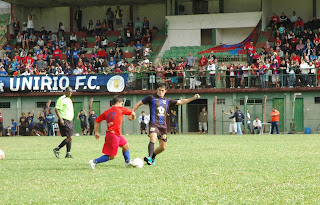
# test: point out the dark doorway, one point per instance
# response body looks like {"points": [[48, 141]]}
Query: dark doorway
{"points": [[200, 7], [206, 37], [193, 110]]}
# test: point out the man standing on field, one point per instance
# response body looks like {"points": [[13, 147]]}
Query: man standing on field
{"points": [[274, 120], [159, 105], [65, 113], [114, 138]]}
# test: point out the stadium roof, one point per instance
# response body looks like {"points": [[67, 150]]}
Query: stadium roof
{"points": [[81, 3]]}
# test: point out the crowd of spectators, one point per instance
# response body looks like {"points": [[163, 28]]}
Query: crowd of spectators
{"points": [[292, 61]]}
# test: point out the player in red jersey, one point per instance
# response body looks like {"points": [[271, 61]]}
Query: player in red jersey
{"points": [[113, 139]]}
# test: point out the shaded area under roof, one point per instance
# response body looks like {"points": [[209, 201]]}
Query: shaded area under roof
{"points": [[79, 3]]}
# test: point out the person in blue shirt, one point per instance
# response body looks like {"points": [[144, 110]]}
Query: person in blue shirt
{"points": [[138, 48], [8, 50], [173, 122], [75, 56], [69, 55], [3, 72], [239, 117], [42, 124], [112, 63], [13, 128], [50, 123], [62, 44], [30, 121]]}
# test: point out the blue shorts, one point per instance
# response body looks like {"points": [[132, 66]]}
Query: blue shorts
{"points": [[174, 80]]}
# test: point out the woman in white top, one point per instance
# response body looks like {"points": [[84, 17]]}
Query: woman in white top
{"points": [[19, 39], [73, 39], [30, 25], [312, 77], [232, 76]]}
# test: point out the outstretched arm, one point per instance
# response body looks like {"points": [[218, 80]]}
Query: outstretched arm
{"points": [[136, 106], [132, 116], [90, 106], [186, 101]]}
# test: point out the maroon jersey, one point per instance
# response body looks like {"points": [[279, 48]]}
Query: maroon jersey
{"points": [[158, 110]]}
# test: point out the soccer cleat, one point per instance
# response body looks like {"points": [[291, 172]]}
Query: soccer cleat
{"points": [[68, 156], [129, 164], [154, 162], [56, 152], [92, 164], [148, 160]]}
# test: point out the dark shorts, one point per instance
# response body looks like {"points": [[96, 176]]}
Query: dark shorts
{"points": [[1, 126], [66, 130], [84, 126], [180, 79], [143, 126], [161, 132], [119, 21]]}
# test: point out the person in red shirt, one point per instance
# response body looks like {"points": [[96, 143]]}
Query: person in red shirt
{"points": [[274, 21], [57, 54], [117, 70], [179, 70], [250, 52], [203, 62], [102, 53], [317, 66], [299, 24], [114, 139], [295, 58], [274, 120], [277, 43]]}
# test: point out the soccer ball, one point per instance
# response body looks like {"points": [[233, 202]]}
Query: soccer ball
{"points": [[77, 134], [137, 162], [2, 155]]}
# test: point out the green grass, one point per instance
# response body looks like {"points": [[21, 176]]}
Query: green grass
{"points": [[195, 169]]}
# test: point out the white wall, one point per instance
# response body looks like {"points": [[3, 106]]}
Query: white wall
{"points": [[46, 17], [155, 13], [234, 6], [186, 30], [232, 35]]}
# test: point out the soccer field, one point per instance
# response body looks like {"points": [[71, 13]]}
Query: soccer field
{"points": [[195, 169]]}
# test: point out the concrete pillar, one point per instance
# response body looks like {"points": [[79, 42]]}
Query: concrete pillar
{"points": [[168, 8], [71, 19], [173, 7]]}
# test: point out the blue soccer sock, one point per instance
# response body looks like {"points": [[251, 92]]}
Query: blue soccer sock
{"points": [[126, 155], [103, 158]]}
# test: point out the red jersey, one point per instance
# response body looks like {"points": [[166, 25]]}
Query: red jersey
{"points": [[180, 70], [57, 52], [251, 49], [203, 61], [114, 117], [275, 18], [102, 54]]}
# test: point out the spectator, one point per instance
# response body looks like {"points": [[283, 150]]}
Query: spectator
{"points": [[16, 26], [104, 43], [232, 124], [119, 42], [284, 20], [245, 75], [130, 26], [223, 73], [75, 56], [145, 25], [90, 28], [143, 121], [13, 128], [250, 51], [78, 18], [274, 120], [293, 18], [118, 16], [84, 43], [104, 26], [61, 27], [138, 26], [50, 123], [23, 124], [24, 28], [57, 54], [97, 43], [203, 120], [62, 45], [212, 72], [299, 24], [256, 126], [146, 37], [232, 76], [30, 25], [73, 40], [249, 122], [238, 115], [3, 72], [25, 41], [110, 18], [118, 55], [274, 21], [138, 36], [98, 27], [173, 122]]}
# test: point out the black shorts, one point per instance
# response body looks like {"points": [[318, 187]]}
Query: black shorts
{"points": [[143, 126], [180, 79], [66, 130], [161, 132], [83, 127], [1, 126]]}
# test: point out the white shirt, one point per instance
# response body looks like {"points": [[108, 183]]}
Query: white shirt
{"points": [[73, 38], [294, 18], [256, 123], [30, 23], [248, 118], [304, 68], [212, 69], [146, 119]]}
